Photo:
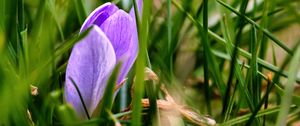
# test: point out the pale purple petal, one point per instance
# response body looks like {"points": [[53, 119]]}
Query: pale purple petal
{"points": [[90, 64], [119, 28], [99, 15]]}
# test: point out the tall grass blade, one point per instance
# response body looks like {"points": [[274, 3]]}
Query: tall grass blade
{"points": [[106, 102], [140, 64], [80, 10], [206, 55], [289, 88], [265, 31], [261, 113], [214, 69]]}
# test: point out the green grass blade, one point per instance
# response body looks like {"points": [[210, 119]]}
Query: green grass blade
{"points": [[289, 88], [227, 98], [80, 10], [255, 86], [265, 24], [137, 16], [263, 40], [295, 98], [279, 90], [259, 105], [235, 69], [70, 43], [214, 69], [269, 14], [61, 50], [140, 64], [286, 61], [108, 96], [169, 24], [21, 15], [247, 55], [66, 115], [265, 31], [261, 113], [206, 55], [25, 56], [51, 6]]}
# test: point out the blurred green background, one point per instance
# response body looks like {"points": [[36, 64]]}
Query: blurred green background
{"points": [[234, 61]]}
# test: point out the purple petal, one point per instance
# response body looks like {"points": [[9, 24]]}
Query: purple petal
{"points": [[99, 15], [90, 64], [127, 64], [120, 30]]}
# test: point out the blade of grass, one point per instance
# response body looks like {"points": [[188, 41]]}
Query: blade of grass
{"points": [[255, 86], [169, 24], [24, 59], [21, 16], [237, 71], [265, 24], [244, 53], [269, 86], [264, 99], [295, 99], [51, 101], [22, 36], [293, 117], [140, 63], [80, 10], [69, 43], [274, 55], [108, 96], [230, 104], [265, 31], [261, 113], [289, 88], [113, 118], [234, 69], [227, 31], [263, 40], [118, 115], [137, 16], [169, 39], [66, 115], [269, 14], [206, 55], [247, 55], [215, 71], [151, 89], [61, 50], [292, 10], [165, 58], [240, 26], [286, 61], [51, 6]]}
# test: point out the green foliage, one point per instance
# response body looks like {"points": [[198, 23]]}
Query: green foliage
{"points": [[225, 58]]}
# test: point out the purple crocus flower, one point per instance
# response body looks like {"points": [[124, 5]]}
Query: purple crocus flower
{"points": [[112, 39]]}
